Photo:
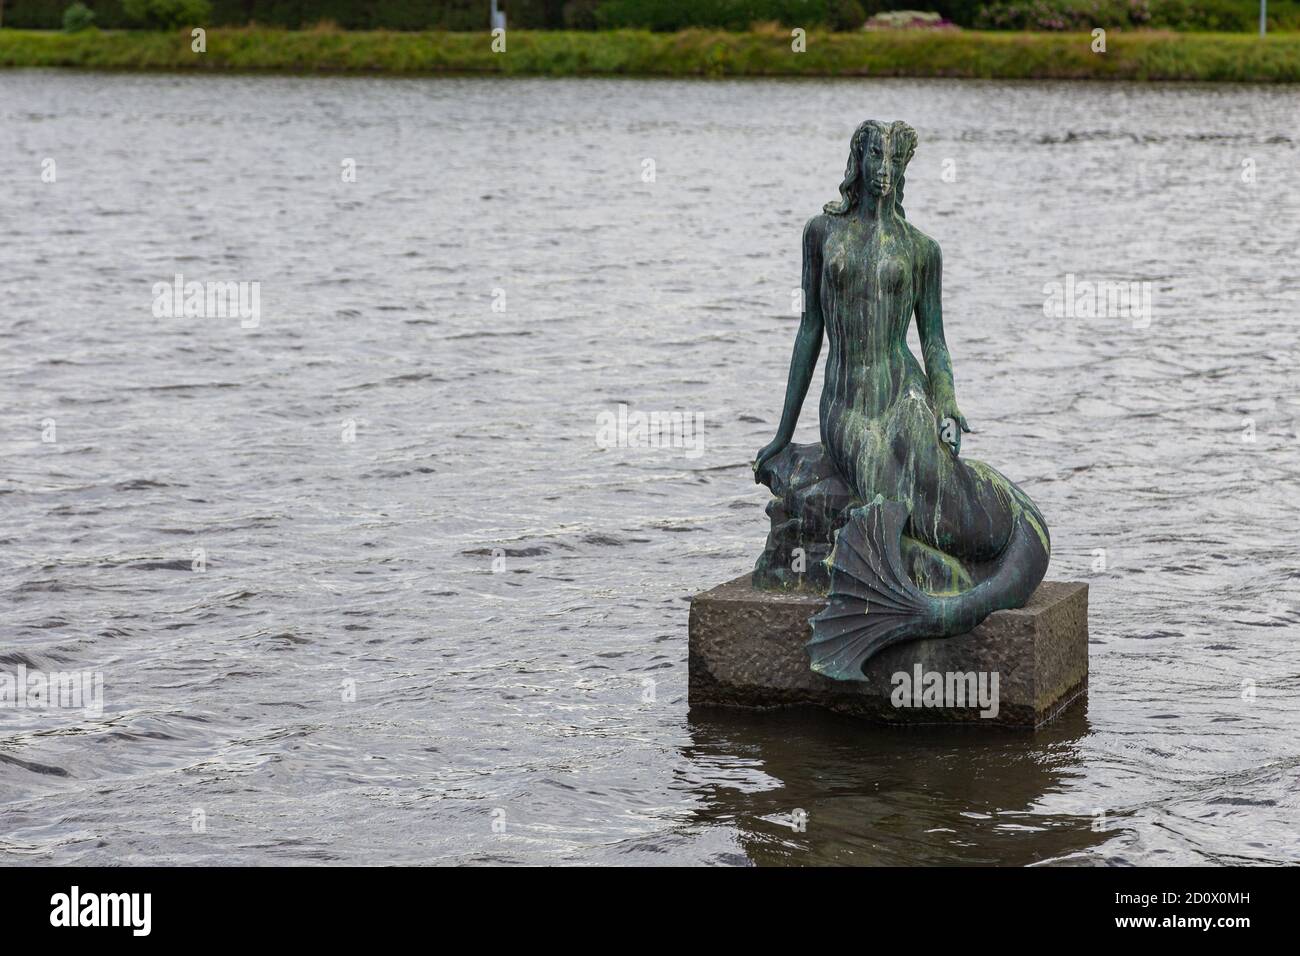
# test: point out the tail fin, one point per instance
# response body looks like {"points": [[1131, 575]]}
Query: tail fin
{"points": [[873, 602]]}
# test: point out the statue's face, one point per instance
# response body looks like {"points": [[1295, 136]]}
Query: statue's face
{"points": [[884, 160]]}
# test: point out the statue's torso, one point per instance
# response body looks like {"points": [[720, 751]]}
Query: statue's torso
{"points": [[867, 294]]}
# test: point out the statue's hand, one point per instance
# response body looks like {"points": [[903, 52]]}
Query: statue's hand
{"points": [[951, 424], [766, 454]]}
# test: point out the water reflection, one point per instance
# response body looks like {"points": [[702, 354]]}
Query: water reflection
{"points": [[886, 796]]}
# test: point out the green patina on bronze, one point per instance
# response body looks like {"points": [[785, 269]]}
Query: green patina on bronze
{"points": [[907, 538]]}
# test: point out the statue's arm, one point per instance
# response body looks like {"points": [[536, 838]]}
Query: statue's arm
{"points": [[807, 345], [929, 324]]}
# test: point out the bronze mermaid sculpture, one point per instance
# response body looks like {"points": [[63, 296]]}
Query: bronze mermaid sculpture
{"points": [[918, 542]]}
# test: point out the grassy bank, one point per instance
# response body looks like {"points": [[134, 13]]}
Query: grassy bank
{"points": [[970, 54]]}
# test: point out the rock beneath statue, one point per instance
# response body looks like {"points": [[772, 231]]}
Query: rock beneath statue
{"points": [[1018, 668], [811, 501]]}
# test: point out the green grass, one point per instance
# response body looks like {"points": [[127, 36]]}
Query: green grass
{"points": [[1137, 55]]}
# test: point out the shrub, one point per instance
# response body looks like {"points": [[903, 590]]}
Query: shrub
{"points": [[1063, 14], [846, 15], [670, 15], [1223, 15], [580, 14], [167, 14], [908, 20], [78, 17]]}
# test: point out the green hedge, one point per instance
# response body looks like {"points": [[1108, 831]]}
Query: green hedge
{"points": [[667, 16], [296, 14], [660, 15], [1194, 15], [674, 15], [1130, 54]]}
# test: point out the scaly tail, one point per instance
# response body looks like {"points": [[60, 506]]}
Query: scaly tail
{"points": [[873, 602]]}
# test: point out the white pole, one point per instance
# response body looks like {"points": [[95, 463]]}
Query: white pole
{"points": [[1263, 17]]}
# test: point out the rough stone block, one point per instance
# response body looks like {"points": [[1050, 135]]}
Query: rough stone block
{"points": [[1028, 665]]}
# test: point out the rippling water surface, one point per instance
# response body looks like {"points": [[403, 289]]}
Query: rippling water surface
{"points": [[508, 600]]}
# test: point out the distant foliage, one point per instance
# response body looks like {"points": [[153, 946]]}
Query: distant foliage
{"points": [[78, 17], [666, 15], [581, 14], [847, 15], [908, 20], [1063, 14], [167, 14], [1229, 16]]}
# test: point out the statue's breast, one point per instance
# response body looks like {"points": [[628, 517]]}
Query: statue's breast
{"points": [[858, 272], [839, 265], [892, 273]]}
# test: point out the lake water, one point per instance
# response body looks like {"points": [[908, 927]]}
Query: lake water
{"points": [[437, 622]]}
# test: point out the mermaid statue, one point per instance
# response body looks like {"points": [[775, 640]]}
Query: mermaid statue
{"points": [[907, 539]]}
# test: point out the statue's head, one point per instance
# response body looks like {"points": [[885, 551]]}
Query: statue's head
{"points": [[878, 157]]}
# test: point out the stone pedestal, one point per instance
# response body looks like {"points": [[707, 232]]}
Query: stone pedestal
{"points": [[1018, 668]]}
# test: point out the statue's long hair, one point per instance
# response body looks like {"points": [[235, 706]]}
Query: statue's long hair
{"points": [[851, 187]]}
